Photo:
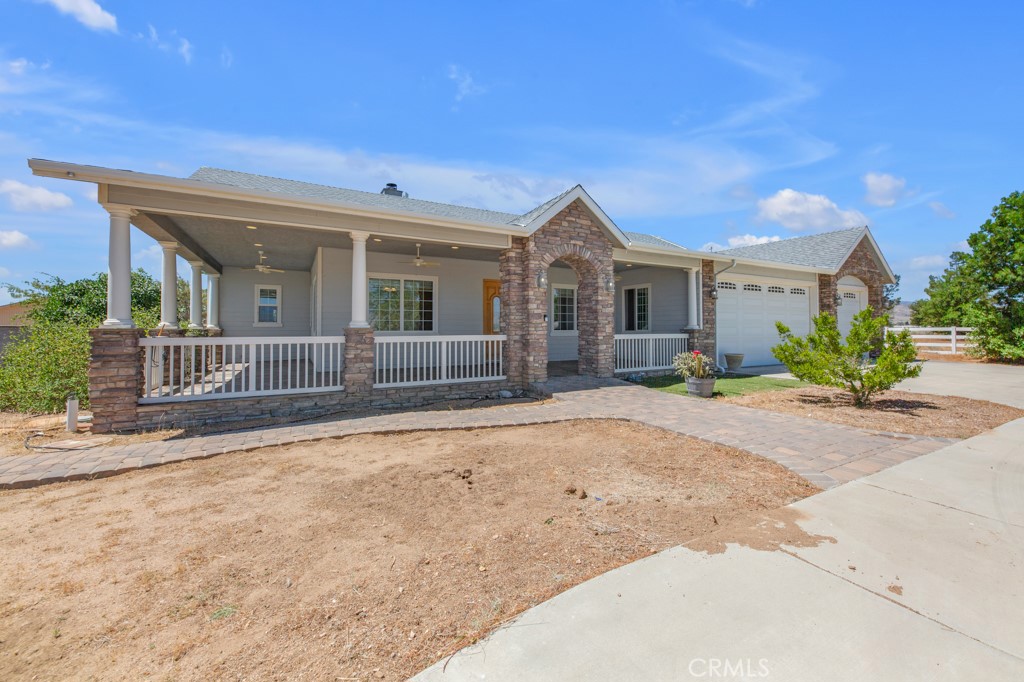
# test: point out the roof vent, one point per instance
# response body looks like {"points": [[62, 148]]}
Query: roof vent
{"points": [[391, 189]]}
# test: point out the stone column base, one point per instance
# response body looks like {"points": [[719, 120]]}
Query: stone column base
{"points": [[115, 379], [358, 370]]}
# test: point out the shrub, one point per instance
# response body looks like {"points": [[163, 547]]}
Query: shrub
{"points": [[45, 363], [693, 364], [823, 358]]}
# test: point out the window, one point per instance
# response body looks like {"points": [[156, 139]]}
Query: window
{"points": [[402, 304], [563, 309], [636, 307], [727, 285], [849, 294], [798, 292], [776, 290], [268, 306], [751, 287]]}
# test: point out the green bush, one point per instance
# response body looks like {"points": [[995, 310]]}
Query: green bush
{"points": [[823, 358], [45, 363]]}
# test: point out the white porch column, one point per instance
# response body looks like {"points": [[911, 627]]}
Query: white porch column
{"points": [[169, 286], [359, 296], [195, 309], [119, 276], [213, 301], [692, 321]]}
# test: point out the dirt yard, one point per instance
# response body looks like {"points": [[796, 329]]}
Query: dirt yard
{"points": [[364, 558], [899, 411]]}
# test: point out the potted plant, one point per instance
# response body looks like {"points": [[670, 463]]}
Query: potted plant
{"points": [[699, 372]]}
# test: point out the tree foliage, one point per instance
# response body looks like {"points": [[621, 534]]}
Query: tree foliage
{"points": [[823, 358], [49, 359], [984, 288]]}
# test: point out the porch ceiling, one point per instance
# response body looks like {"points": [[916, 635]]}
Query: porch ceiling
{"points": [[233, 244]]}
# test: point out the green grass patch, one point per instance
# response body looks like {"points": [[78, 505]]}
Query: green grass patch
{"points": [[729, 385]]}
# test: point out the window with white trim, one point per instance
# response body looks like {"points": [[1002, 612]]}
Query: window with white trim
{"points": [[563, 309], [402, 304], [268, 306], [636, 308]]}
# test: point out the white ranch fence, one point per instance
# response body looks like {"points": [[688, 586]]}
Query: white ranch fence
{"points": [[944, 340], [648, 352], [424, 360], [201, 368]]}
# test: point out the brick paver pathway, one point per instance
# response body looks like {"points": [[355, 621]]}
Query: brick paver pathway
{"points": [[823, 453]]}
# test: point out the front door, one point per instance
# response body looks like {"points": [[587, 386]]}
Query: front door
{"points": [[492, 306]]}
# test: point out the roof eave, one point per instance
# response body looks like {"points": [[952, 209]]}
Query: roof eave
{"points": [[108, 176], [580, 194]]}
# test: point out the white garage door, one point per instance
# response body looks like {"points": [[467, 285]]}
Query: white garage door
{"points": [[851, 302], [747, 312]]}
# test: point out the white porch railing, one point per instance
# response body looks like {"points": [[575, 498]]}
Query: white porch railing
{"points": [[943, 340], [200, 368], [645, 352], [422, 360]]}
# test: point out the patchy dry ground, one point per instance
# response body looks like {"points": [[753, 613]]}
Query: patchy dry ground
{"points": [[47, 431], [368, 557], [899, 411]]}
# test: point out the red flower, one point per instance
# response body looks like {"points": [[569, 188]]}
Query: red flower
{"points": [[696, 352]]}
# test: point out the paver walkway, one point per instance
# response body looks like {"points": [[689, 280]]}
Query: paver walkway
{"points": [[823, 453]]}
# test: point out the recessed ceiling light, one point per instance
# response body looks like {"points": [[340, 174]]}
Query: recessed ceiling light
{"points": [[629, 265], [250, 227], [455, 248], [378, 240], [257, 244]]}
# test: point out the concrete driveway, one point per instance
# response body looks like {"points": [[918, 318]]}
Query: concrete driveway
{"points": [[996, 383], [919, 575]]}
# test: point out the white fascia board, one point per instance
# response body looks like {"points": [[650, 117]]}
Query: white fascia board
{"points": [[572, 195], [99, 175], [711, 255]]}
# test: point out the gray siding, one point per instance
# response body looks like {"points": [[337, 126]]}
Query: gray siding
{"points": [[768, 273], [238, 300], [459, 296], [668, 298]]}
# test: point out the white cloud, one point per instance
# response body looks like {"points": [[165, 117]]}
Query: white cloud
{"points": [[465, 86], [4, 272], [151, 256], [17, 66], [941, 210], [928, 262], [800, 212], [962, 245], [28, 198], [87, 12], [227, 58], [185, 50], [12, 239], [884, 189], [741, 240]]}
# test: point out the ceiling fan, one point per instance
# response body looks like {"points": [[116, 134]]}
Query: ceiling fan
{"points": [[420, 262], [262, 267]]}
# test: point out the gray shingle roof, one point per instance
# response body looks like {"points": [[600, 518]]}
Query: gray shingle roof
{"points": [[370, 199], [651, 240], [827, 250]]}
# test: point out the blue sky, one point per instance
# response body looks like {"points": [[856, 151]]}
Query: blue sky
{"points": [[715, 121]]}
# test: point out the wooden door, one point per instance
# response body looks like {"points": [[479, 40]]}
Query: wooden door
{"points": [[492, 306]]}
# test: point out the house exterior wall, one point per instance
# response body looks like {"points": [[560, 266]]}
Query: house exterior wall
{"points": [[861, 264], [238, 300], [669, 294], [458, 297], [768, 273]]}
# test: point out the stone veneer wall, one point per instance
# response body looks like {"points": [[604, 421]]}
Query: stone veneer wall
{"points": [[115, 379], [573, 237], [862, 265], [308, 406], [703, 339]]}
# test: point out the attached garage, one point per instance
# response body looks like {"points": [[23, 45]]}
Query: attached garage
{"points": [[747, 311]]}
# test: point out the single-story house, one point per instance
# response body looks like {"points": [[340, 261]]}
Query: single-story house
{"points": [[321, 297]]}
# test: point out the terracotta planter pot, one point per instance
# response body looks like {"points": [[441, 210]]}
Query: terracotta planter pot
{"points": [[703, 388]]}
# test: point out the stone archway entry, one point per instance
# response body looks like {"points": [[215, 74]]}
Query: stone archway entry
{"points": [[572, 237]]}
